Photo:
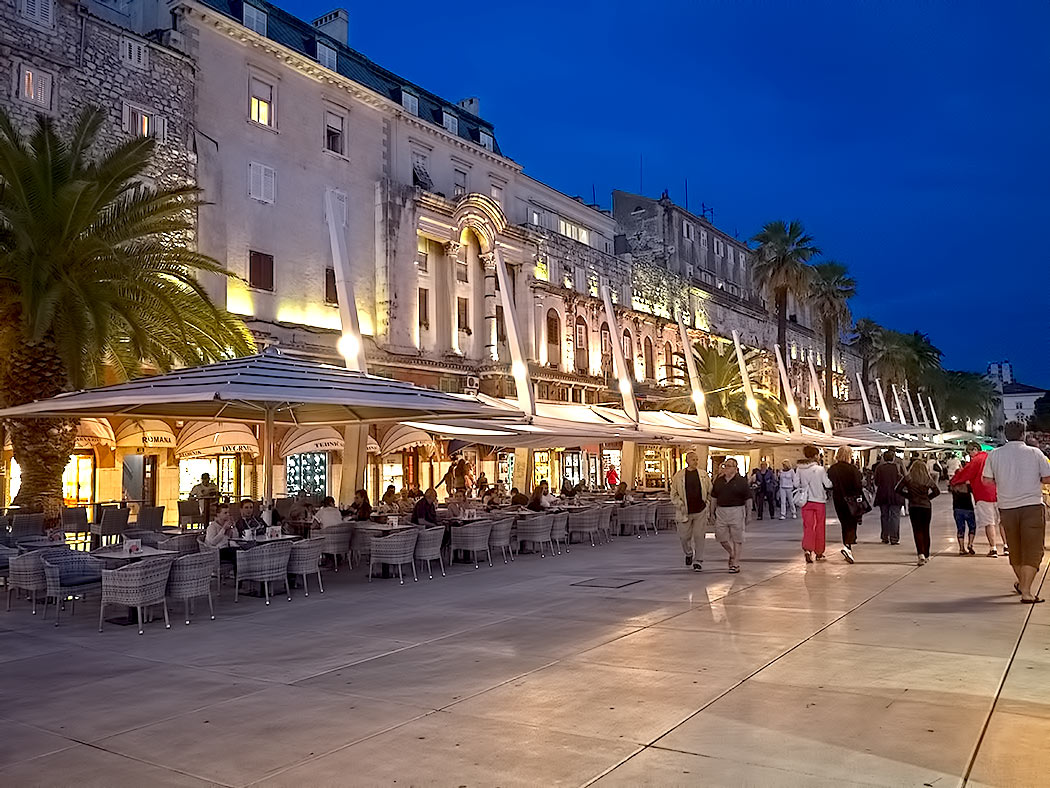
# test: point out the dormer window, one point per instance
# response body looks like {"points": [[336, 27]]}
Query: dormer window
{"points": [[450, 122], [485, 140], [410, 102], [255, 19], [326, 56]]}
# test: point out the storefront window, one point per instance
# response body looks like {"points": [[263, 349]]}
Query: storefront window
{"points": [[572, 466], [78, 480], [222, 469], [542, 460], [505, 468], [307, 473], [655, 467]]}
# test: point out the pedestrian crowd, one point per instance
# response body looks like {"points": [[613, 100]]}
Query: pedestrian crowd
{"points": [[999, 491]]}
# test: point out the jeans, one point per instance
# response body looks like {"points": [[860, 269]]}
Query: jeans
{"points": [[765, 497], [891, 522], [692, 531], [920, 528], [786, 503]]}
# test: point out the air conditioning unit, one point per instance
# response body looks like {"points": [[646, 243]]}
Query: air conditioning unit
{"points": [[472, 385]]}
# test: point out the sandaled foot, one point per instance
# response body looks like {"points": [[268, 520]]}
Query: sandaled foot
{"points": [[1033, 601], [1017, 587]]}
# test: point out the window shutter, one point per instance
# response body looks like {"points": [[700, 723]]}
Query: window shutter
{"points": [[42, 90], [269, 184], [262, 182], [339, 198]]}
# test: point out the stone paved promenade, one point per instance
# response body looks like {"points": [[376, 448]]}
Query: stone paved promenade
{"points": [[546, 673]]}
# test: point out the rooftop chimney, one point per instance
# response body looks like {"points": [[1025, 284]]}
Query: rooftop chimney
{"points": [[336, 24], [471, 105]]}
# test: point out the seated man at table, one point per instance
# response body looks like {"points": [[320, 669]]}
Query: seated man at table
{"points": [[518, 498], [390, 496], [425, 511], [248, 521], [457, 505], [329, 513]]}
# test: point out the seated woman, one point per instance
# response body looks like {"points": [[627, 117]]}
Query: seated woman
{"points": [[518, 498], [621, 491], [457, 505], [541, 498], [390, 496], [328, 514], [361, 508]]}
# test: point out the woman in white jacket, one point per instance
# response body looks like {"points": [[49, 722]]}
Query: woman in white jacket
{"points": [[813, 480]]}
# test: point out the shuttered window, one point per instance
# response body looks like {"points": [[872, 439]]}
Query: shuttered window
{"points": [[262, 182], [260, 270]]}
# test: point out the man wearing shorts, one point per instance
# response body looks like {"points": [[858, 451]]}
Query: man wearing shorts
{"points": [[729, 497], [1019, 471], [984, 499]]}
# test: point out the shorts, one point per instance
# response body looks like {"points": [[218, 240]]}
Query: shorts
{"points": [[1025, 529], [965, 520], [729, 523], [986, 512]]}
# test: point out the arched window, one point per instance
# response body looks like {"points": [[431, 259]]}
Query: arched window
{"points": [[627, 352], [606, 340], [553, 338], [647, 359], [582, 355], [669, 375]]}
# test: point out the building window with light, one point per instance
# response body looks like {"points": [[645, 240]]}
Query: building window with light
{"points": [[36, 86], [143, 122], [261, 103]]}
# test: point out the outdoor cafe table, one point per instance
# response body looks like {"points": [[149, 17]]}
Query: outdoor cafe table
{"points": [[242, 543], [39, 543]]}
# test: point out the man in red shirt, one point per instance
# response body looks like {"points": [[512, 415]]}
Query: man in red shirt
{"points": [[984, 497]]}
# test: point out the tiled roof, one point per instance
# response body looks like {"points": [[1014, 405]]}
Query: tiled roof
{"points": [[1021, 388], [301, 36]]}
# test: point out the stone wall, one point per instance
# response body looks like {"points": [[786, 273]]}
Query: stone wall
{"points": [[83, 54]]}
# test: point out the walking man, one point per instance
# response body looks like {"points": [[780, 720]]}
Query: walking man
{"points": [[788, 482], [690, 491], [984, 497], [729, 496], [765, 489], [889, 501], [1019, 471]]}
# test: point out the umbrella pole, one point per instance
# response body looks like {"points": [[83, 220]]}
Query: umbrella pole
{"points": [[267, 441]]}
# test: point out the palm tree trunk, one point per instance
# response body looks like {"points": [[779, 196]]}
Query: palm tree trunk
{"points": [[780, 298], [829, 367], [41, 446]]}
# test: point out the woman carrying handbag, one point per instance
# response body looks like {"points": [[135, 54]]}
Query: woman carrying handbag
{"points": [[919, 488], [847, 493]]}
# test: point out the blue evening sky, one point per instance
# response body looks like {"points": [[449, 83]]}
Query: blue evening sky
{"points": [[910, 137]]}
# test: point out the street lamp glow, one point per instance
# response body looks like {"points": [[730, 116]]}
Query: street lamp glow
{"points": [[752, 404], [348, 346], [792, 409], [625, 387], [517, 369], [698, 397], [823, 414]]}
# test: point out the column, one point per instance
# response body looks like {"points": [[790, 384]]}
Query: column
{"points": [[488, 264], [445, 300]]}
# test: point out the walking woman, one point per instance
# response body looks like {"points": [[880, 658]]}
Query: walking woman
{"points": [[919, 488], [813, 480], [847, 490]]}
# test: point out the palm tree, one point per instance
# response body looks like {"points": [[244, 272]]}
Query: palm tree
{"points": [[781, 268], [865, 337], [966, 395], [95, 274], [906, 358], [724, 387], [830, 290]]}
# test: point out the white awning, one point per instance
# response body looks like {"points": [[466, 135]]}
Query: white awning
{"points": [[208, 438], [373, 445], [306, 440], [401, 437], [145, 434], [95, 432]]}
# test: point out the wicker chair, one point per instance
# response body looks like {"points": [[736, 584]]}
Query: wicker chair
{"points": [[634, 519], [185, 544], [428, 547], [361, 542], [585, 523], [305, 559], [398, 548], [151, 518], [26, 526], [149, 538], [26, 573], [560, 531], [605, 521], [499, 537], [189, 513], [190, 578], [665, 515], [75, 520], [69, 574], [216, 563], [473, 538], [139, 585], [337, 541], [265, 563], [112, 523], [536, 530]]}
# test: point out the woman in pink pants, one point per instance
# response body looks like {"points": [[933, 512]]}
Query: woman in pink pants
{"points": [[813, 478]]}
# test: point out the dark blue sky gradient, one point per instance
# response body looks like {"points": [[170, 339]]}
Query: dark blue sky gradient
{"points": [[910, 137]]}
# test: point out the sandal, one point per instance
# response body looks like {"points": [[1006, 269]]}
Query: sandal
{"points": [[1033, 601], [734, 568], [1017, 587]]}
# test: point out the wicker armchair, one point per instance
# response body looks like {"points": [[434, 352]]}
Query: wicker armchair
{"points": [[585, 523], [26, 573], [633, 518], [69, 574], [398, 548], [112, 524], [428, 547], [216, 563], [605, 521], [140, 585], [190, 513], [665, 515], [190, 578], [26, 526], [560, 531], [265, 563], [75, 520], [305, 559], [150, 518], [499, 537], [149, 538], [185, 544], [473, 538], [338, 540], [361, 542], [537, 531]]}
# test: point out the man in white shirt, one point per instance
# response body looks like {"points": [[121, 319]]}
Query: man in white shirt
{"points": [[220, 529], [788, 482], [328, 514], [1019, 471], [953, 465]]}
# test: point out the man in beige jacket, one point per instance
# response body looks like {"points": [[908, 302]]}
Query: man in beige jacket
{"points": [[690, 492]]}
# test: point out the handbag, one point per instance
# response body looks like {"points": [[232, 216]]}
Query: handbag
{"points": [[858, 506], [799, 497]]}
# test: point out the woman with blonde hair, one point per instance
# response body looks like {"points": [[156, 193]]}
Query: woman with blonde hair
{"points": [[847, 494], [919, 488]]}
